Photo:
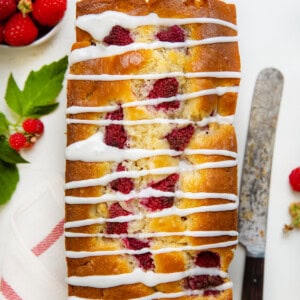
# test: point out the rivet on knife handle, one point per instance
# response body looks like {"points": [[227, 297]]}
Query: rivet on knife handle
{"points": [[256, 174]]}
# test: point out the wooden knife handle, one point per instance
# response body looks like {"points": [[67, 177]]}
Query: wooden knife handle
{"points": [[253, 279]]}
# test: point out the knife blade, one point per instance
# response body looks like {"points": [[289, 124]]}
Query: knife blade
{"points": [[256, 175]]}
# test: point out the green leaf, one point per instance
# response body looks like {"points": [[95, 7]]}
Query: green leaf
{"points": [[9, 155], [43, 86], [14, 96], [38, 111], [40, 90], [9, 177], [3, 124]]}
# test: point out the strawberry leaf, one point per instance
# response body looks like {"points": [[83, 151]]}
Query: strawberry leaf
{"points": [[9, 155], [9, 177], [3, 124]]}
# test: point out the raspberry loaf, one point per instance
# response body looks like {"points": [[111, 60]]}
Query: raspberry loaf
{"points": [[151, 178]]}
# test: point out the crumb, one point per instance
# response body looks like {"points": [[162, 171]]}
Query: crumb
{"points": [[294, 210]]}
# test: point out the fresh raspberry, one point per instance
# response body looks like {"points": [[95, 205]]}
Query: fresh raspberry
{"points": [[20, 30], [165, 88], [115, 135], [202, 282], [208, 259], [122, 185], [145, 261], [180, 137], [157, 203], [49, 12], [115, 210], [33, 126], [294, 179], [17, 141], [135, 244], [171, 34], [118, 36], [167, 184], [7, 7]]}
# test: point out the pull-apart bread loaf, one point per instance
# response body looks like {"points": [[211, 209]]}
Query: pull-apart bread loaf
{"points": [[151, 171]]}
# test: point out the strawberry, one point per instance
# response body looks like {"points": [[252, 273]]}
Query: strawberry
{"points": [[7, 7], [165, 88], [208, 259], [171, 34], [49, 12], [20, 30], [1, 33], [118, 36], [180, 137], [122, 185]]}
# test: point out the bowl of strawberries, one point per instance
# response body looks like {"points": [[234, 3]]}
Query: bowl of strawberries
{"points": [[29, 22]]}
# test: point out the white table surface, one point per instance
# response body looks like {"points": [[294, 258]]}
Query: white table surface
{"points": [[269, 33]]}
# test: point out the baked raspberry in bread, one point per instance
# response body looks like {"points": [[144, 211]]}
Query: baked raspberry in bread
{"points": [[151, 170]]}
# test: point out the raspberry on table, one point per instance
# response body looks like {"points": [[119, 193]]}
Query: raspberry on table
{"points": [[35, 126], [20, 30], [179, 138], [118, 36], [208, 259], [17, 141], [172, 34], [49, 12], [165, 88], [7, 7], [294, 179]]}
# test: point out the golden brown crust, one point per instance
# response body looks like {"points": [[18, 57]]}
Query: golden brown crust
{"points": [[206, 58]]}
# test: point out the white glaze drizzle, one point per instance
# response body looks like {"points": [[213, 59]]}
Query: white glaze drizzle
{"points": [[94, 149], [146, 193], [145, 235], [148, 278], [220, 91], [159, 295], [82, 254], [106, 20], [163, 213], [115, 77], [100, 51], [181, 168]]}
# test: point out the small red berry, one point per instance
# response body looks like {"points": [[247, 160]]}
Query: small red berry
{"points": [[7, 7], [157, 203], [20, 30], [33, 126], [122, 185], [135, 244], [17, 141], [116, 210], [294, 179], [118, 36], [208, 259], [49, 12], [167, 184], [1, 33], [172, 34], [145, 261]]}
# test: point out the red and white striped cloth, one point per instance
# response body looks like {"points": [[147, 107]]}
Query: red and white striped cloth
{"points": [[34, 263]]}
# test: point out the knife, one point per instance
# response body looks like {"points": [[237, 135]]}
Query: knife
{"points": [[256, 174]]}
